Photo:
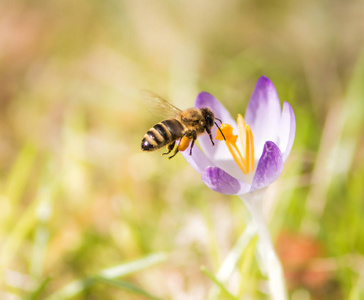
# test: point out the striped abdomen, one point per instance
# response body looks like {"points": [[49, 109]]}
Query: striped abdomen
{"points": [[162, 134]]}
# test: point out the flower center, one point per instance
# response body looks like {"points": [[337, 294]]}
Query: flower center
{"points": [[244, 160]]}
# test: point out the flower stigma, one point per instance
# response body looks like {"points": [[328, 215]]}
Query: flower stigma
{"points": [[245, 161]]}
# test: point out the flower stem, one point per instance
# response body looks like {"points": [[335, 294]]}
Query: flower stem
{"points": [[277, 288]]}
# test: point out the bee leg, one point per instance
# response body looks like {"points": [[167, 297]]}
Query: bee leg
{"points": [[174, 153], [170, 147], [191, 134], [192, 144], [210, 135]]}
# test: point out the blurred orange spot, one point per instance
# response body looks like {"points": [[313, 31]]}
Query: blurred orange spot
{"points": [[302, 257]]}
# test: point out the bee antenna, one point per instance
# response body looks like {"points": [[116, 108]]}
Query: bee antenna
{"points": [[220, 129], [219, 121]]}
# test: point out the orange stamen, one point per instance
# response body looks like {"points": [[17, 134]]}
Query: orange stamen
{"points": [[245, 161], [244, 139]]}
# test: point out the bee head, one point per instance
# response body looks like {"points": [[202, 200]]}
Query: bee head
{"points": [[208, 116]]}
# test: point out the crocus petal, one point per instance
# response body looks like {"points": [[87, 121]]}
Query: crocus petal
{"points": [[197, 159], [287, 130], [220, 181], [269, 167], [263, 113], [219, 151]]}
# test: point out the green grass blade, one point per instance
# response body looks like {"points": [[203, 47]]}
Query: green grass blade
{"points": [[218, 283], [357, 291], [127, 287], [35, 295], [76, 287], [19, 175], [132, 267], [18, 233], [228, 265]]}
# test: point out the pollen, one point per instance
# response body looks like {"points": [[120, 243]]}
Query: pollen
{"points": [[185, 141], [227, 130], [244, 159]]}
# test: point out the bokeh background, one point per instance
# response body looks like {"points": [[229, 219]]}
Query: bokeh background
{"points": [[84, 214]]}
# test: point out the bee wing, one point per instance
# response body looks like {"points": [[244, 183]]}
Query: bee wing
{"points": [[159, 106]]}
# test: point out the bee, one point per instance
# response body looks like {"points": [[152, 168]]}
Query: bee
{"points": [[185, 126]]}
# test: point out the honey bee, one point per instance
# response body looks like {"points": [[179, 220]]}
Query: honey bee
{"points": [[184, 125]]}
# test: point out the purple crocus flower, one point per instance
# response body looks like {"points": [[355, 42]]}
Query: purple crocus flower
{"points": [[245, 168], [266, 136]]}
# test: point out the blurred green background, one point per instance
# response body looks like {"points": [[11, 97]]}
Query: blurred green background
{"points": [[77, 195]]}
